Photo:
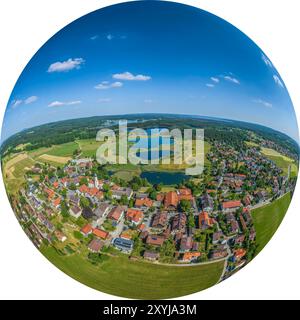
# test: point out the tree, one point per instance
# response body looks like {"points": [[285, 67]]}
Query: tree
{"points": [[185, 205], [64, 210], [124, 200], [83, 181], [153, 194], [191, 220], [84, 202], [168, 250]]}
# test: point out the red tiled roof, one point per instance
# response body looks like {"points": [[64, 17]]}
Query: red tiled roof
{"points": [[143, 202], [84, 189], [171, 199], [56, 202], [55, 184], [86, 229], [134, 215], [231, 204], [100, 233], [191, 255]]}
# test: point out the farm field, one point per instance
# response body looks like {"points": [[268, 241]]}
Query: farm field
{"points": [[63, 150], [268, 218], [281, 161], [117, 274], [88, 147]]}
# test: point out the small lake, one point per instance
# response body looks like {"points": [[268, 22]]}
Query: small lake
{"points": [[167, 178]]}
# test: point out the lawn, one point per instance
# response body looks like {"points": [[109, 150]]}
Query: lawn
{"points": [[136, 279], [268, 218], [281, 161]]}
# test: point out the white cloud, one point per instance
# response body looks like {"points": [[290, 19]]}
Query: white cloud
{"points": [[104, 85], [65, 66], [30, 99], [104, 100], [109, 37], [264, 103], [65, 103], [232, 79], [94, 37], [266, 61], [131, 77], [278, 81], [214, 79], [16, 103], [210, 85]]}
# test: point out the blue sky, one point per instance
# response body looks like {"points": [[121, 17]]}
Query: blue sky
{"points": [[150, 56]]}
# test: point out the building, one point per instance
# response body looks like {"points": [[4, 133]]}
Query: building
{"points": [[205, 221], [190, 256], [152, 256], [186, 244], [230, 206], [95, 245], [143, 203], [101, 210], [160, 220], [123, 245], [75, 211], [60, 236], [155, 240], [171, 200], [100, 233], [207, 203], [86, 230], [134, 216], [179, 223], [117, 194], [116, 214]]}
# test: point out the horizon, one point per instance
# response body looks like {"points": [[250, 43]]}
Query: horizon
{"points": [[150, 113], [125, 57]]}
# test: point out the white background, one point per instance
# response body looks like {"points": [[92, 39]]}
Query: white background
{"points": [[26, 25]]}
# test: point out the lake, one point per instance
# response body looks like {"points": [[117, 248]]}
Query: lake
{"points": [[167, 178]]}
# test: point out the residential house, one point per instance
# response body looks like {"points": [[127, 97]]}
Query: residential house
{"points": [[123, 245], [150, 255], [231, 206], [160, 220], [75, 211], [155, 240], [100, 233], [190, 256], [134, 216], [116, 214], [171, 200], [95, 245]]}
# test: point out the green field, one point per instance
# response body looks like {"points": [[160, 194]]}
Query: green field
{"points": [[135, 279], [88, 147], [63, 150], [268, 218], [281, 161]]}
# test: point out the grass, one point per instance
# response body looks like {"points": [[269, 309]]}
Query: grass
{"points": [[281, 161], [63, 150], [88, 147], [136, 279], [268, 218]]}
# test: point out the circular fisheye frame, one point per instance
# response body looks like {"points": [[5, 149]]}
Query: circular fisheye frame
{"points": [[150, 150]]}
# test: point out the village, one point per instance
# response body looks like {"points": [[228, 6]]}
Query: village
{"points": [[192, 223]]}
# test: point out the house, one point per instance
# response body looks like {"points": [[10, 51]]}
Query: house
{"points": [[102, 210], [152, 256], [185, 194], [186, 244], [117, 194], [146, 203], [190, 256], [234, 226], [100, 233], [217, 236], [205, 221], [56, 203], [230, 206], [207, 203], [86, 230], [84, 189], [123, 245], [179, 223], [75, 211], [239, 253], [88, 213], [155, 240], [134, 216], [171, 200], [239, 239], [116, 214], [95, 245], [60, 236], [160, 220], [218, 254], [141, 227]]}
